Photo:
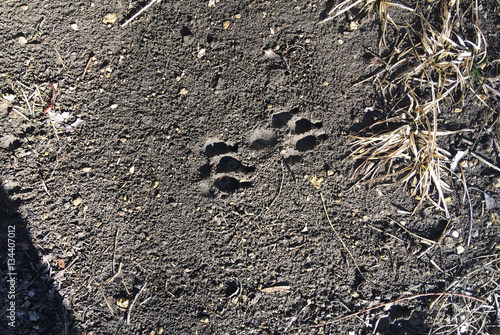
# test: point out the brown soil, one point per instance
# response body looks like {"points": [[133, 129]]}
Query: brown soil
{"points": [[177, 178]]}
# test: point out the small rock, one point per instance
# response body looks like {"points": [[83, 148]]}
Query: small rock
{"points": [[183, 91], [490, 201], [24, 7], [211, 3], [110, 18], [353, 25], [77, 201], [74, 26], [22, 40], [226, 24], [496, 182], [460, 250]]}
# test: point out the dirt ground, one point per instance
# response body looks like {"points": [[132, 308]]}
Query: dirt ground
{"points": [[171, 188]]}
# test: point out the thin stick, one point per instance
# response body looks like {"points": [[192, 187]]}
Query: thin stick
{"points": [[114, 250], [281, 186], [106, 301], [338, 236], [20, 114], [123, 282], [483, 160], [133, 302], [116, 274], [27, 101], [413, 297], [471, 211], [423, 239], [140, 12]]}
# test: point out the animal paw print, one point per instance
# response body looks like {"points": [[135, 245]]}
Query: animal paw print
{"points": [[297, 135], [294, 134], [228, 169]]}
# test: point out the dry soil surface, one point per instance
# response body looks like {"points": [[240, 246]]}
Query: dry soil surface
{"points": [[182, 180]]}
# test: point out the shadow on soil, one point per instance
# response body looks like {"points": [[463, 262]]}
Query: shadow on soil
{"points": [[30, 303]]}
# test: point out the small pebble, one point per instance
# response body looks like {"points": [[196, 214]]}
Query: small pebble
{"points": [[455, 233], [460, 250], [22, 40], [110, 18], [77, 201]]}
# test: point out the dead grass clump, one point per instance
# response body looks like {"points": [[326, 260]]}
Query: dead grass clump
{"points": [[432, 65]]}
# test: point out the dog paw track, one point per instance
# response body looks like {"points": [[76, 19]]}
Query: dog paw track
{"points": [[296, 135], [223, 168]]}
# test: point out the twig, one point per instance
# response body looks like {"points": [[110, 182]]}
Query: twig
{"points": [[116, 274], [114, 250], [27, 101], [471, 211], [133, 302], [123, 282], [422, 239], [20, 114], [61, 273], [413, 297], [140, 12], [281, 186], [338, 236], [483, 160], [106, 301]]}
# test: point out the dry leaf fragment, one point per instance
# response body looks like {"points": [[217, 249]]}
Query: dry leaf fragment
{"points": [[9, 97], [122, 302], [273, 289], [316, 181]]}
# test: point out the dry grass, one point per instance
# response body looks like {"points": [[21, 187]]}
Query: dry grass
{"points": [[431, 65]]}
